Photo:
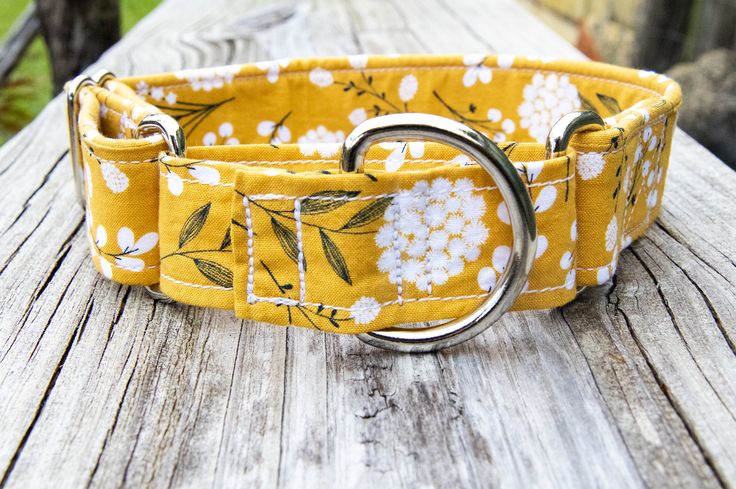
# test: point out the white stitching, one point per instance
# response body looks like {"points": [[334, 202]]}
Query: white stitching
{"points": [[300, 249], [239, 78], [632, 134], [397, 256], [293, 302], [172, 279], [251, 262], [394, 194], [115, 162]]}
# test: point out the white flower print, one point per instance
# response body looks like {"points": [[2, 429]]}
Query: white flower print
{"points": [[652, 199], [208, 79], [129, 248], [358, 61], [157, 93], [321, 77], [175, 183], [408, 88], [357, 116], [590, 165], [170, 98], [487, 276], [278, 132], [225, 132], [545, 198], [399, 153], [141, 88], [566, 260], [321, 140], [272, 68], [365, 310], [505, 60], [205, 174], [476, 71], [612, 234], [508, 126], [546, 99], [431, 231], [115, 179], [602, 275]]}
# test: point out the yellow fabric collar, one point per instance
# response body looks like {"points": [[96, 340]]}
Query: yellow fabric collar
{"points": [[421, 236]]}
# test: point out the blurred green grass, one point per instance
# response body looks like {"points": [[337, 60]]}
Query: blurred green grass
{"points": [[30, 83]]}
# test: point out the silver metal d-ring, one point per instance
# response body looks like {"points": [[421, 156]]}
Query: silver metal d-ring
{"points": [[102, 76], [562, 131], [72, 89], [167, 126], [173, 134], [426, 127]]}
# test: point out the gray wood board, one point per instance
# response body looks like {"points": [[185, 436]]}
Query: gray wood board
{"points": [[632, 385]]}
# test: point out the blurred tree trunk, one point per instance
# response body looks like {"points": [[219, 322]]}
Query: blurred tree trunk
{"points": [[661, 34], [77, 32]]}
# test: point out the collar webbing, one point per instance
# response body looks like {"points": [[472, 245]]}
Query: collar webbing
{"points": [[256, 217]]}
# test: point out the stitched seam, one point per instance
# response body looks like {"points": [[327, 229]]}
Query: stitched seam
{"points": [[397, 257], [176, 281], [395, 194], [300, 249], [240, 77], [249, 245], [293, 302], [633, 133], [115, 162]]}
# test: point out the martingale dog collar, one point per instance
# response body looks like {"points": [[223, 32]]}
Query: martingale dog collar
{"points": [[358, 194]]}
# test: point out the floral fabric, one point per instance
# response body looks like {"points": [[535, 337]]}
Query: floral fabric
{"points": [[257, 218]]}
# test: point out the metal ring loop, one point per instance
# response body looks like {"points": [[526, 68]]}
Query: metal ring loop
{"points": [[72, 89], [426, 127], [562, 131], [102, 76], [167, 126]]}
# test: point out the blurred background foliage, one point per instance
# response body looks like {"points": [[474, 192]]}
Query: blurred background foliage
{"points": [[29, 87]]}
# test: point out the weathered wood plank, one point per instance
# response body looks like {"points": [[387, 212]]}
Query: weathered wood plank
{"points": [[99, 386]]}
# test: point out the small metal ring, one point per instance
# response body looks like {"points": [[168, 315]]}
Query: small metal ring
{"points": [[173, 134], [426, 127], [72, 89], [562, 131], [154, 291], [167, 126], [102, 76]]}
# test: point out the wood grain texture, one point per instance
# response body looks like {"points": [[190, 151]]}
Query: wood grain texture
{"points": [[632, 385]]}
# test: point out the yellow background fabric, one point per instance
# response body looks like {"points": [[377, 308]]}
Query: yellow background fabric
{"points": [[257, 218]]}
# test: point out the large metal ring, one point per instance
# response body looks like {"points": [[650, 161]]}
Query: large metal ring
{"points": [[425, 127]]}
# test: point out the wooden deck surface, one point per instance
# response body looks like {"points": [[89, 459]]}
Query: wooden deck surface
{"points": [[632, 385]]}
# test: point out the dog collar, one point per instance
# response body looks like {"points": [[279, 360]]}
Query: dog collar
{"points": [[356, 194]]}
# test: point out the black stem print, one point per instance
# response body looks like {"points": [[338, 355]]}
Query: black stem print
{"points": [[190, 115], [370, 89], [310, 313], [282, 287], [462, 117], [211, 270], [276, 128], [290, 216]]}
